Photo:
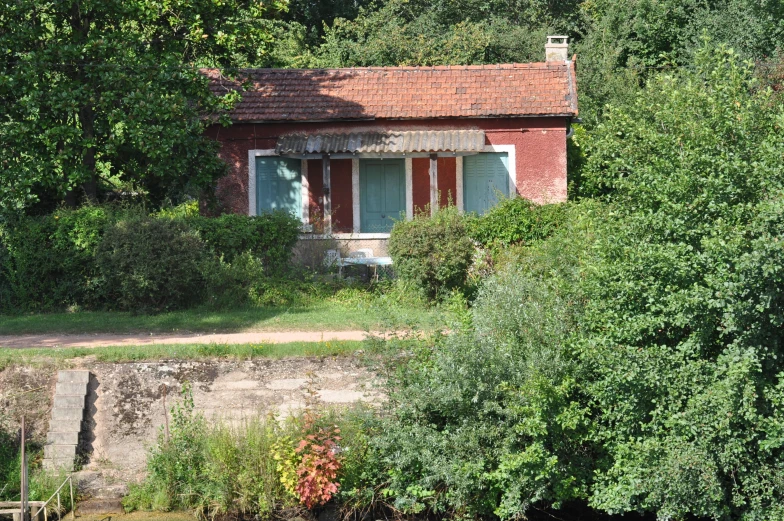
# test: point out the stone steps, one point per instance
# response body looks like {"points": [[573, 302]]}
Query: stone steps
{"points": [[66, 423]]}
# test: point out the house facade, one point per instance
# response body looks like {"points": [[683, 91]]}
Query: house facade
{"points": [[349, 151]]}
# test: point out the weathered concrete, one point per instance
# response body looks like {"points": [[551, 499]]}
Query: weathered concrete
{"points": [[128, 404]]}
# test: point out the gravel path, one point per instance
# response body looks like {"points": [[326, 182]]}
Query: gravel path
{"points": [[100, 340]]}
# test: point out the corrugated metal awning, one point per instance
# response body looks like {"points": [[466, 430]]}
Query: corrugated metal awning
{"points": [[400, 142]]}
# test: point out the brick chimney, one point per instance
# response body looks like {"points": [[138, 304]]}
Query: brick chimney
{"points": [[556, 49]]}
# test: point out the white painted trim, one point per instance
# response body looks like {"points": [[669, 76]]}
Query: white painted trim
{"points": [[355, 194], [344, 236], [305, 192], [409, 188], [510, 150], [459, 183]]}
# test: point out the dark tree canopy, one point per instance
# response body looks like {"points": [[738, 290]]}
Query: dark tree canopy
{"points": [[100, 95]]}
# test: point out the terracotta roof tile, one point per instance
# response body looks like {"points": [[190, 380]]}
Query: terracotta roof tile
{"points": [[531, 89]]}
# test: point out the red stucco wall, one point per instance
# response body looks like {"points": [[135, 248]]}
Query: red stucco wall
{"points": [[447, 181], [340, 173], [342, 208], [420, 182], [540, 146]]}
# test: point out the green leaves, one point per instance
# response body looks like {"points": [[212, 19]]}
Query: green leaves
{"points": [[110, 93], [683, 324]]}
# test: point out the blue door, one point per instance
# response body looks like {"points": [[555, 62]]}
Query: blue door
{"points": [[382, 194], [278, 185], [485, 179]]}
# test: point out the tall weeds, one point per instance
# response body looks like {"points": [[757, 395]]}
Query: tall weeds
{"points": [[254, 467]]}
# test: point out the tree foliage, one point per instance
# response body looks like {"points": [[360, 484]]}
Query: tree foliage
{"points": [[108, 94], [684, 322], [490, 421], [618, 43]]}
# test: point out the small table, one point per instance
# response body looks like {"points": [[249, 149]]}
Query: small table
{"points": [[374, 262]]}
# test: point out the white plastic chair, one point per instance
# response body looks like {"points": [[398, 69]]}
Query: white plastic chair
{"points": [[332, 258]]}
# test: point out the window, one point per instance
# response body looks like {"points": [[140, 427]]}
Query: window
{"points": [[278, 185], [485, 180]]}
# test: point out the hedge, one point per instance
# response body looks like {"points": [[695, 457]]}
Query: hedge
{"points": [[49, 262]]}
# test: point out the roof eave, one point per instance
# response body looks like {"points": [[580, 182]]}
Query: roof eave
{"points": [[420, 118]]}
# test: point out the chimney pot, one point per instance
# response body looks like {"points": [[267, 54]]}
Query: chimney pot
{"points": [[556, 49]]}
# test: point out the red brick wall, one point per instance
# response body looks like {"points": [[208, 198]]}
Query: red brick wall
{"points": [[540, 153]]}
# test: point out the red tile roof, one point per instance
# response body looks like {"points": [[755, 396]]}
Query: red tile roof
{"points": [[530, 89]]}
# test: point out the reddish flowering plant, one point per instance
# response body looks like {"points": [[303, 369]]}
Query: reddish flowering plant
{"points": [[318, 468]]}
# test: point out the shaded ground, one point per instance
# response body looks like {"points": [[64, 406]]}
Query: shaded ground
{"points": [[320, 316]]}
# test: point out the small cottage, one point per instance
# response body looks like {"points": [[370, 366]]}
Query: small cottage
{"points": [[349, 151]]}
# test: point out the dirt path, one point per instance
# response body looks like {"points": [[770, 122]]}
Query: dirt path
{"points": [[100, 340]]}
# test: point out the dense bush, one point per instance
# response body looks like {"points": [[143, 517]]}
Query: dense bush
{"points": [[684, 323], [47, 262], [516, 221], [490, 421], [269, 237], [51, 262], [151, 264], [433, 253]]}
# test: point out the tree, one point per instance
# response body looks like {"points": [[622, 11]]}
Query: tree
{"points": [[683, 328], [99, 94]]}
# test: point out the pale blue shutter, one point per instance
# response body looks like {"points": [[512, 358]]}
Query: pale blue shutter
{"points": [[485, 178], [278, 185]]}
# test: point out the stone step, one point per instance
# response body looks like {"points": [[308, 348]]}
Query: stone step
{"points": [[68, 413], [75, 388], [68, 401], [66, 464], [63, 438], [73, 376], [65, 425], [59, 451]]}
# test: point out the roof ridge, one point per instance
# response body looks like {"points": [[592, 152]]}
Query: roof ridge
{"points": [[483, 67]]}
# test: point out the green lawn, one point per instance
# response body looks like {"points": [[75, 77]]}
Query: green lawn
{"points": [[325, 315], [32, 356]]}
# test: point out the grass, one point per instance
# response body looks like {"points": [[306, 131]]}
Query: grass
{"points": [[114, 354], [323, 315]]}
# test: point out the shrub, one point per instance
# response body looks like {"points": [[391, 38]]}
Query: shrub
{"points": [[490, 420], [151, 264], [516, 221], [270, 237], [47, 262], [433, 253]]}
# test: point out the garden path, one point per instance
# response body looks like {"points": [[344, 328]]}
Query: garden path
{"points": [[101, 340]]}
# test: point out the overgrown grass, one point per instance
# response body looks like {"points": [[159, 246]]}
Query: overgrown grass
{"points": [[350, 309], [257, 468], [116, 354]]}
